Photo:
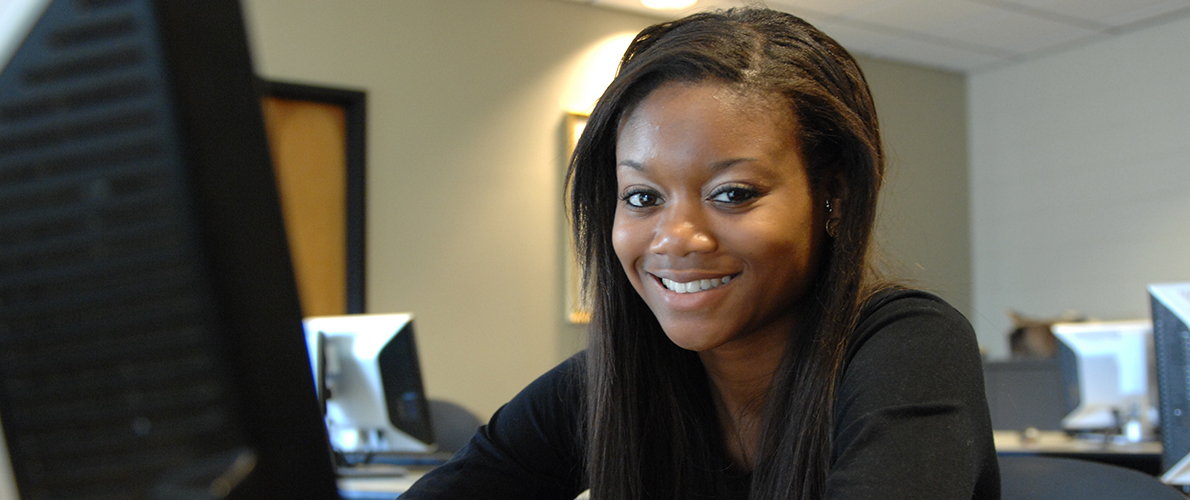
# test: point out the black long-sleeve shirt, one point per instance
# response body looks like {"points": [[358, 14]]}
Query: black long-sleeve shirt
{"points": [[911, 420]]}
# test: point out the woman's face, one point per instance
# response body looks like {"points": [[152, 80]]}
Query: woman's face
{"points": [[717, 225]]}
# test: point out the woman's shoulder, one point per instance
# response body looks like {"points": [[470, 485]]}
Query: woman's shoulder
{"points": [[530, 448], [901, 326], [906, 311], [559, 389], [569, 371], [911, 415], [897, 300]]}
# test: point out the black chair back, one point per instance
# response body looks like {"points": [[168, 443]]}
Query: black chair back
{"points": [[1053, 478]]}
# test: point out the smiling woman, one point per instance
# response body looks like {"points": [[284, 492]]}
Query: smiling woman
{"points": [[723, 197], [713, 186]]}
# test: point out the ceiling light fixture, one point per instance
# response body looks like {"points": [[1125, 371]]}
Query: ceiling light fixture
{"points": [[667, 4]]}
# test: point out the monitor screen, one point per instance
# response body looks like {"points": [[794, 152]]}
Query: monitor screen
{"points": [[1171, 342], [1116, 382], [367, 370], [150, 331]]}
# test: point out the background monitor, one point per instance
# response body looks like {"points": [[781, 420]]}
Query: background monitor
{"points": [[367, 368], [150, 333], [1116, 379], [1171, 342]]}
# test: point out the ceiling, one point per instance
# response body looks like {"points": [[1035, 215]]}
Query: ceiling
{"points": [[957, 35]]}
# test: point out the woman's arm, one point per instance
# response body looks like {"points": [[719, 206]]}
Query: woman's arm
{"points": [[529, 449]]}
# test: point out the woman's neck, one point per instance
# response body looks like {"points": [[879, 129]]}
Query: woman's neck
{"points": [[740, 376]]}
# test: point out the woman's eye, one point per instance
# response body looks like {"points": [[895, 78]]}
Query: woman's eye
{"points": [[733, 195], [640, 199]]}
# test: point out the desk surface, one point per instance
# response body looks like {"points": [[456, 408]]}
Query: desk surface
{"points": [[378, 487], [1007, 442], [1057, 442], [1144, 456]]}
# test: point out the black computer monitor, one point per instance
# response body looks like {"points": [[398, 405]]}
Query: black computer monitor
{"points": [[151, 342], [1171, 345]]}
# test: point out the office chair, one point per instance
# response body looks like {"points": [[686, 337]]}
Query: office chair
{"points": [[453, 425], [1027, 477]]}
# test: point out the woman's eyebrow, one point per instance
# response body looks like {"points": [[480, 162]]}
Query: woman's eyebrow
{"points": [[722, 165], [633, 164], [715, 167]]}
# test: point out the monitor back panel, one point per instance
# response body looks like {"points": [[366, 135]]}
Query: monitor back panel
{"points": [[1171, 345], [117, 373]]}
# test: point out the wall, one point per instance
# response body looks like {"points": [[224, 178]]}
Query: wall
{"points": [[1080, 184], [923, 228], [466, 101], [464, 166]]}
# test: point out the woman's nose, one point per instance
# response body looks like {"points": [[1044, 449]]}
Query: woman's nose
{"points": [[680, 231]]}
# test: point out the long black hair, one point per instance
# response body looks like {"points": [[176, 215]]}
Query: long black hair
{"points": [[650, 427]]}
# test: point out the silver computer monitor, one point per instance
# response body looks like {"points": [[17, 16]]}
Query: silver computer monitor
{"points": [[1116, 380], [369, 377]]}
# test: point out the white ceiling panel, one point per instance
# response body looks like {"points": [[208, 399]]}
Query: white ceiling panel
{"points": [[959, 35], [938, 56], [928, 16], [1014, 32], [842, 8], [818, 19], [1108, 13], [884, 46], [857, 40]]}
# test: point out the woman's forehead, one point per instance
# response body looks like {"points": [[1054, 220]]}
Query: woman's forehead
{"points": [[698, 115], [748, 98]]}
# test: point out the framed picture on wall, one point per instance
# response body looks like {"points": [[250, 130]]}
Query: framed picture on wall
{"points": [[317, 139], [578, 309]]}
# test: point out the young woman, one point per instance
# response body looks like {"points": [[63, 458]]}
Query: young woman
{"points": [[723, 195]]}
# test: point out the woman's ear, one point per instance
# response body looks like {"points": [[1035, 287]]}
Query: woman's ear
{"points": [[836, 192]]}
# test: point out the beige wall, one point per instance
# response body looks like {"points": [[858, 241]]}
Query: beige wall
{"points": [[924, 226], [465, 103]]}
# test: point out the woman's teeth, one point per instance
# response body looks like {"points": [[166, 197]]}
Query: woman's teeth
{"points": [[694, 286]]}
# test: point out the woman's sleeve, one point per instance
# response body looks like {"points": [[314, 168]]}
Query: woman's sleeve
{"points": [[912, 417], [529, 449]]}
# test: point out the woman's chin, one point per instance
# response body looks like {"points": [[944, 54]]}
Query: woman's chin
{"points": [[692, 339]]}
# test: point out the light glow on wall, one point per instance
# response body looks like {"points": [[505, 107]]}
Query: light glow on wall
{"points": [[667, 4], [595, 69]]}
